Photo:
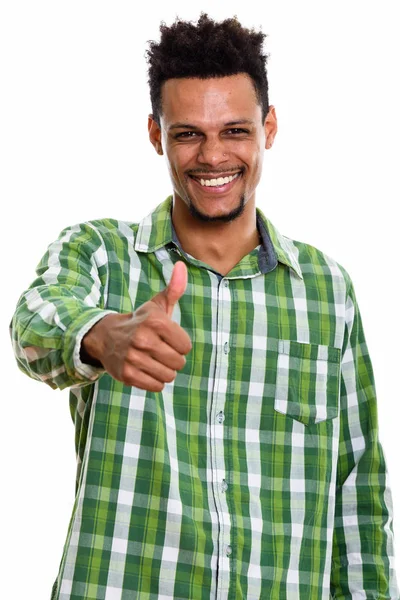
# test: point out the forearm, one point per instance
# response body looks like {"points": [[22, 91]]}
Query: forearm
{"points": [[61, 305], [47, 349]]}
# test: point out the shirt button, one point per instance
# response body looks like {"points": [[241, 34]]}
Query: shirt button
{"points": [[220, 417], [226, 348], [228, 550], [226, 283], [224, 486]]}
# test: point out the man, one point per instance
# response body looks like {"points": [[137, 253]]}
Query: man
{"points": [[220, 384]]}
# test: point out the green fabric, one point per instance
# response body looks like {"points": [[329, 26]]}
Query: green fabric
{"points": [[258, 472]]}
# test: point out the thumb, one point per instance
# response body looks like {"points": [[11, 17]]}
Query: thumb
{"points": [[174, 290], [176, 286]]}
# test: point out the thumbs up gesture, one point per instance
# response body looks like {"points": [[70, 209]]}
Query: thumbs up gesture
{"points": [[145, 348], [167, 299]]}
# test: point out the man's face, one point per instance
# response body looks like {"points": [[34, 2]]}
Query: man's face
{"points": [[214, 139]]}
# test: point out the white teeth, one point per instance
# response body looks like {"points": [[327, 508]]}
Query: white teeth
{"points": [[219, 181]]}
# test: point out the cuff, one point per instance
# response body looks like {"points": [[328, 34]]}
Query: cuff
{"points": [[76, 369]]}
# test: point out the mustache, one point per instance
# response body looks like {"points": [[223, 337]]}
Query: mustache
{"points": [[214, 172]]}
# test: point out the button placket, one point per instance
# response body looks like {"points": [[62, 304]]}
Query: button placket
{"points": [[220, 443], [220, 417]]}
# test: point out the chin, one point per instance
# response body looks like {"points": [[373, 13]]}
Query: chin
{"points": [[225, 217]]}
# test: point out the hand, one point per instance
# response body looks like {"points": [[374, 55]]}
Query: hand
{"points": [[145, 348]]}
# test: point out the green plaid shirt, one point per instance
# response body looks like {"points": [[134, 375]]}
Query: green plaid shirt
{"points": [[258, 472]]}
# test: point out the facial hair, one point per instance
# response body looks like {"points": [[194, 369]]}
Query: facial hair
{"points": [[231, 216]]}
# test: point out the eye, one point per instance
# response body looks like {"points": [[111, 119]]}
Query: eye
{"points": [[186, 135], [237, 130]]}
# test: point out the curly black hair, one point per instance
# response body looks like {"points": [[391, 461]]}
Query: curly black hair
{"points": [[206, 49]]}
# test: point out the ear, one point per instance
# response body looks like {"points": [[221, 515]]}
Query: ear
{"points": [[271, 127], [154, 134]]}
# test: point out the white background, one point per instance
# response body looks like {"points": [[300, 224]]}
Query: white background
{"points": [[74, 146]]}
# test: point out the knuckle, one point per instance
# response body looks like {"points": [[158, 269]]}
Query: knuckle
{"points": [[149, 387], [126, 374], [187, 343], [170, 377], [182, 362], [142, 340], [133, 378], [156, 319], [132, 356], [157, 387]]}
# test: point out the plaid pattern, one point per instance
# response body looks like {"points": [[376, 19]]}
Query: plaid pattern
{"points": [[258, 472]]}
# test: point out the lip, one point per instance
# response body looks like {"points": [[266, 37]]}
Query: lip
{"points": [[215, 191]]}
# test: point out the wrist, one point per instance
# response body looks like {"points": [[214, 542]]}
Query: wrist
{"points": [[92, 344], [94, 341], [87, 358]]}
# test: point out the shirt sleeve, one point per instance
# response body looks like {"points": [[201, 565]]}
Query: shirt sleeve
{"points": [[65, 300], [363, 542]]}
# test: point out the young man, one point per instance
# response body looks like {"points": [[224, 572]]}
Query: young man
{"points": [[221, 388]]}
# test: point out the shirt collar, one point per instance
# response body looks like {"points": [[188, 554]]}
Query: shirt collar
{"points": [[156, 231]]}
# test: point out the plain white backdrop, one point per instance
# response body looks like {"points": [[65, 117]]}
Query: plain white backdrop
{"points": [[74, 146]]}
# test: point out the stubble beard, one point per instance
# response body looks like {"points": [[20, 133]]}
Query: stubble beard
{"points": [[226, 218]]}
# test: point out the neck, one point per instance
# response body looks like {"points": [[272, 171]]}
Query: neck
{"points": [[220, 245]]}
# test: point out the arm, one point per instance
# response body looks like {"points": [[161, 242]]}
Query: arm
{"points": [[58, 309], [363, 544]]}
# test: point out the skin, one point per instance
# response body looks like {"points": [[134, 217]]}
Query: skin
{"points": [[146, 348], [213, 226]]}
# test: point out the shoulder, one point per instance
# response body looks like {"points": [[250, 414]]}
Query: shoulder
{"points": [[318, 267], [99, 238], [109, 233]]}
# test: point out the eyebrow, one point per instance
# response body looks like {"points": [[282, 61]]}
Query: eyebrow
{"points": [[229, 124]]}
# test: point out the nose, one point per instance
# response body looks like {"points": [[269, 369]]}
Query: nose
{"points": [[212, 151]]}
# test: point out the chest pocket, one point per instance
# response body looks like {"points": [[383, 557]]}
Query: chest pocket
{"points": [[307, 381]]}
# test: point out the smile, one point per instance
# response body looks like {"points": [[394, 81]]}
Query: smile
{"points": [[217, 184]]}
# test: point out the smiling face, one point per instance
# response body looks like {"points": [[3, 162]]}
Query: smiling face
{"points": [[213, 138]]}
